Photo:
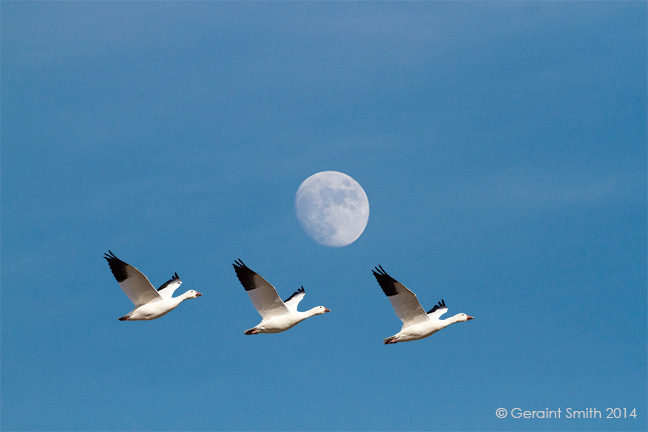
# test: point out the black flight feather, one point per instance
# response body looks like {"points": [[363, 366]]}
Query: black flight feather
{"points": [[436, 307], [245, 275], [174, 278], [117, 266], [386, 282], [299, 290]]}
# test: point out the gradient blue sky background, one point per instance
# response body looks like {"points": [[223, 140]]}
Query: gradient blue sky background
{"points": [[502, 146]]}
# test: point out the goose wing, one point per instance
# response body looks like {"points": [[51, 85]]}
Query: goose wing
{"points": [[263, 295], [404, 301], [438, 310], [136, 286], [168, 288], [294, 299]]}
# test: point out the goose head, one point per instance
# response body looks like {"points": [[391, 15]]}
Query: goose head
{"points": [[192, 294], [462, 317], [318, 310]]}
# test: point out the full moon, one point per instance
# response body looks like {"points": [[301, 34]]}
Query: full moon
{"points": [[332, 208]]}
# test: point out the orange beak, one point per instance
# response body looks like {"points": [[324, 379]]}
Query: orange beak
{"points": [[469, 317], [327, 310], [198, 294]]}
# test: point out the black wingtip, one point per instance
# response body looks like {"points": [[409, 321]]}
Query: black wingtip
{"points": [[440, 305], [299, 291], [174, 278], [117, 266], [386, 282], [379, 271], [245, 275]]}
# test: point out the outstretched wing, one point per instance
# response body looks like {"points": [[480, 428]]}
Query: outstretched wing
{"points": [[263, 295], [404, 301], [438, 310], [136, 286], [294, 299], [168, 288]]}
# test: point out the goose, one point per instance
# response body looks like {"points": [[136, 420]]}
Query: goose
{"points": [[416, 323], [277, 315], [149, 302]]}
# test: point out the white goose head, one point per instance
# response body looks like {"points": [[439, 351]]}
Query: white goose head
{"points": [[191, 294], [319, 310], [462, 317]]}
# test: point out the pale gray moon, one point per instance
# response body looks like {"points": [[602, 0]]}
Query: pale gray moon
{"points": [[332, 208]]}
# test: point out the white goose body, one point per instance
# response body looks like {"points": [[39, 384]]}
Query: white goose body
{"points": [[157, 308], [424, 329], [416, 323], [149, 302], [283, 322], [277, 315]]}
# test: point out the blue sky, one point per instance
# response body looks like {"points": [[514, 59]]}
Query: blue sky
{"points": [[502, 146]]}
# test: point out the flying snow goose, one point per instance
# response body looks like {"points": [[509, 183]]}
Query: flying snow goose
{"points": [[416, 323], [277, 315], [149, 302]]}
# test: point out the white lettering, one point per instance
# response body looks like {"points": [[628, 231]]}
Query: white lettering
{"points": [[546, 414], [587, 413]]}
